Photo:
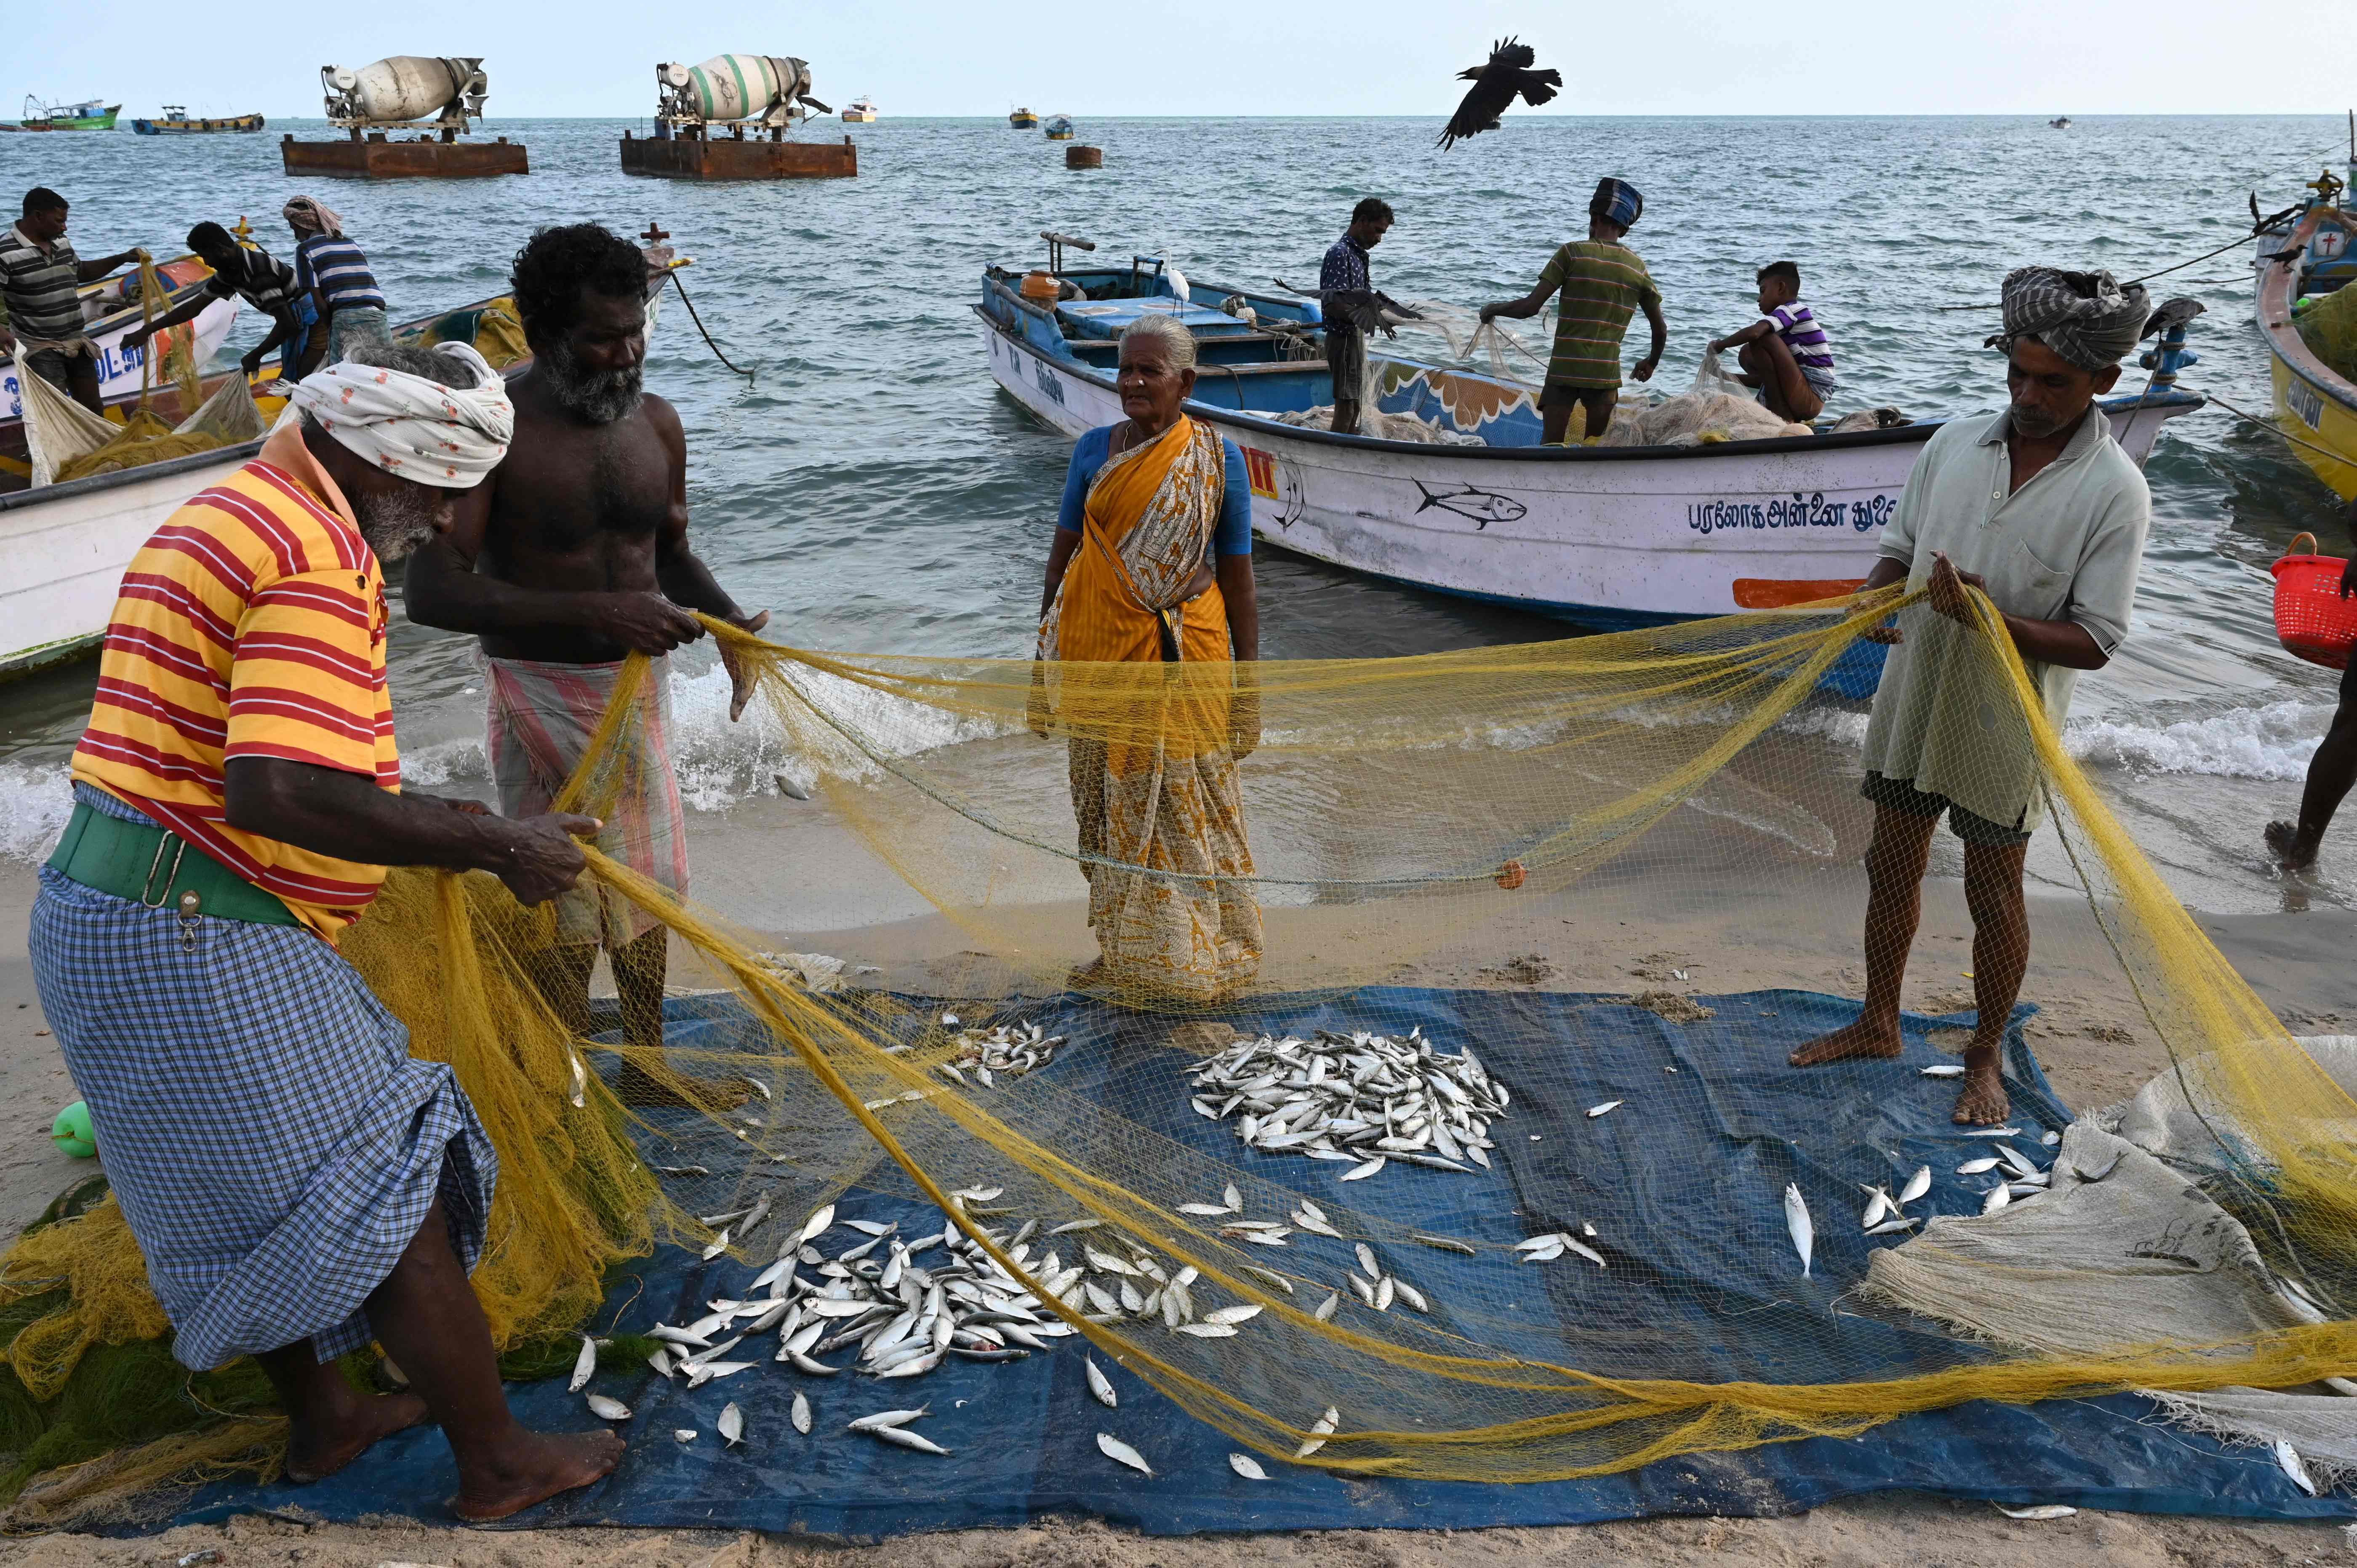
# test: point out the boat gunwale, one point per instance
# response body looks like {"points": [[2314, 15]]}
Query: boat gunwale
{"points": [[2279, 328], [1768, 447]]}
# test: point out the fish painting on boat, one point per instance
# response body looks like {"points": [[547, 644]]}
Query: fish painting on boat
{"points": [[1484, 507]]}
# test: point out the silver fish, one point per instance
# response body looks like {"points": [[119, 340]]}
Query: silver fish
{"points": [[1098, 1384], [731, 1424], [816, 1225], [682, 1434], [580, 1092], [884, 1418], [1443, 1242], [1875, 1208], [1996, 1198], [606, 1409], [1595, 1111], [901, 1437], [758, 1084], [1797, 1220], [1975, 1167], [1245, 1465], [1121, 1453], [2042, 1512], [719, 1245], [1324, 1313], [1208, 1331], [1244, 1314], [1320, 1430], [801, 1413], [1366, 1169], [1943, 1069], [1917, 1185], [1367, 1261], [584, 1366]]}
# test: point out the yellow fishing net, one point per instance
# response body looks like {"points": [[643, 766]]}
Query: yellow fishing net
{"points": [[1656, 831], [2328, 326]]}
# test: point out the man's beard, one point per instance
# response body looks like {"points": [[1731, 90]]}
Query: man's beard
{"points": [[600, 397], [396, 523], [2034, 422]]}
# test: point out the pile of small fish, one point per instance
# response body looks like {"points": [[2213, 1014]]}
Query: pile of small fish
{"points": [[2020, 1178], [1361, 1098], [1003, 1050]]}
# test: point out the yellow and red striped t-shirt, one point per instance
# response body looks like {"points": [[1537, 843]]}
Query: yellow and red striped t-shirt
{"points": [[251, 625]]}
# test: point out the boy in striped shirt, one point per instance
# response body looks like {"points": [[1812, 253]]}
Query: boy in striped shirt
{"points": [[1786, 353]]}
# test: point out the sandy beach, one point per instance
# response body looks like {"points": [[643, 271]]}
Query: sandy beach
{"points": [[1661, 908]]}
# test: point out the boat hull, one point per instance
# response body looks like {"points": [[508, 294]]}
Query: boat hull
{"points": [[1606, 537], [2314, 404], [223, 124], [119, 368], [67, 545]]}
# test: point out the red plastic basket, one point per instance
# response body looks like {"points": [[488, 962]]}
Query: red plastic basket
{"points": [[2312, 619]]}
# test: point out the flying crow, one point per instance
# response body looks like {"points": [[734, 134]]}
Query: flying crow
{"points": [[1495, 86]]}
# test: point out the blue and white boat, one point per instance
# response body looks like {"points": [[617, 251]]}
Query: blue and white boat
{"points": [[1609, 537]]}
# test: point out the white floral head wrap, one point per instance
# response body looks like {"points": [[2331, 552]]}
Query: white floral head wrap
{"points": [[412, 426]]}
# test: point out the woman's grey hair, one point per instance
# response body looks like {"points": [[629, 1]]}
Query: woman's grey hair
{"points": [[1176, 339]]}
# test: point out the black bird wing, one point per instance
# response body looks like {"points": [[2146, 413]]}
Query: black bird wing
{"points": [[2172, 313], [1495, 84], [1357, 306]]}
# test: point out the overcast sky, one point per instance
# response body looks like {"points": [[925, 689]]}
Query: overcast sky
{"points": [[1290, 57]]}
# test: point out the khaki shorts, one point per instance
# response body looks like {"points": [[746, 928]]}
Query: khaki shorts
{"points": [[1346, 356]]}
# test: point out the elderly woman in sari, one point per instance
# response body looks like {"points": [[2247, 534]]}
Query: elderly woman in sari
{"points": [[1152, 564]]}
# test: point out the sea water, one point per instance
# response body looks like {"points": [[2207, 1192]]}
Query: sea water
{"points": [[872, 487]]}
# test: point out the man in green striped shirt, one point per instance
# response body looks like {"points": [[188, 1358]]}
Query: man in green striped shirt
{"points": [[1603, 283]]}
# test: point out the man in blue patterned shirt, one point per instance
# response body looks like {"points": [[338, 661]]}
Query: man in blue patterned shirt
{"points": [[1346, 271]]}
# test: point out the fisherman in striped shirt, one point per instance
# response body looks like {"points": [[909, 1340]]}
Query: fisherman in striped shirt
{"points": [[264, 282], [1786, 353], [1603, 283], [330, 268], [39, 311], [299, 1184]]}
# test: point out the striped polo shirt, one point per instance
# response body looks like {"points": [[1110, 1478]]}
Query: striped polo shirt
{"points": [[1602, 285], [266, 284], [37, 287], [1804, 335], [251, 625], [334, 267]]}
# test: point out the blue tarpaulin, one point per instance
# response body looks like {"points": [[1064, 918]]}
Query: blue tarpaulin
{"points": [[1731, 1114]]}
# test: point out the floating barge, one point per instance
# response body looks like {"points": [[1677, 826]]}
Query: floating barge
{"points": [[371, 103], [377, 156], [768, 95], [738, 157]]}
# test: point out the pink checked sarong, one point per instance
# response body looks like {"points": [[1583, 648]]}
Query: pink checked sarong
{"points": [[542, 717]]}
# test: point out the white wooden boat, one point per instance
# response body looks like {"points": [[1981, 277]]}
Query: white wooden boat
{"points": [[1608, 537], [66, 546], [110, 308]]}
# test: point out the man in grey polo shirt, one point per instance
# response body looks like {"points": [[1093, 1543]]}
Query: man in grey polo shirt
{"points": [[39, 311], [2040, 510]]}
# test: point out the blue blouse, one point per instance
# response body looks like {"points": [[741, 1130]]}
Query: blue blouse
{"points": [[1234, 535]]}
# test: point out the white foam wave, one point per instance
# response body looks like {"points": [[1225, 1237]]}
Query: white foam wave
{"points": [[722, 763], [2273, 742]]}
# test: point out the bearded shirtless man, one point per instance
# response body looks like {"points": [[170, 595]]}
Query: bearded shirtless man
{"points": [[572, 556]]}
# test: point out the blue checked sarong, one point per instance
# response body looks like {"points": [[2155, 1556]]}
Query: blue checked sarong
{"points": [[271, 1140]]}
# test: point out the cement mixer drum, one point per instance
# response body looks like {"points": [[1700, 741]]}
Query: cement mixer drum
{"points": [[405, 89], [774, 90]]}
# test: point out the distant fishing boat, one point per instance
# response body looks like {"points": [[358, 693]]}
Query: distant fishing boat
{"points": [[2308, 318], [1609, 537], [175, 122], [91, 114], [67, 545], [860, 112], [1060, 127], [1023, 120]]}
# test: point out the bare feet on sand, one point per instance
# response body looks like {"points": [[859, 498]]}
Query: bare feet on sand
{"points": [[532, 1469], [313, 1450], [2284, 843], [1865, 1038], [1981, 1101]]}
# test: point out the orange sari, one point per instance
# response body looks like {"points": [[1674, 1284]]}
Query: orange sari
{"points": [[1154, 778]]}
